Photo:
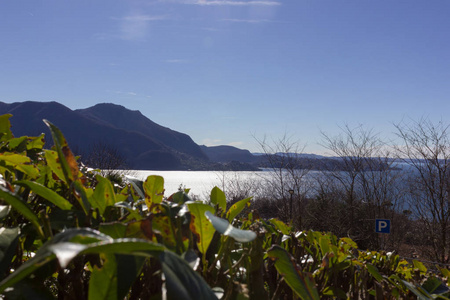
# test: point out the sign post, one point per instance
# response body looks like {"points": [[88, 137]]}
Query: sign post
{"points": [[382, 226]]}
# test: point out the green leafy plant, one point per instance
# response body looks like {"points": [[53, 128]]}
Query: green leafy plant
{"points": [[81, 237]]}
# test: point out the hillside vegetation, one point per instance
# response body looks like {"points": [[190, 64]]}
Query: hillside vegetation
{"points": [[69, 233]]}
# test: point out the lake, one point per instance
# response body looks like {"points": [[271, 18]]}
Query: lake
{"points": [[200, 182]]}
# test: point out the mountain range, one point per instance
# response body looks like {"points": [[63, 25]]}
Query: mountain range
{"points": [[127, 136], [143, 143]]}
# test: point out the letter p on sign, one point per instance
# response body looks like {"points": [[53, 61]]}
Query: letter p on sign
{"points": [[383, 226]]}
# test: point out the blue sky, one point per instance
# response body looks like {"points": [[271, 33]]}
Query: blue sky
{"points": [[224, 71]]}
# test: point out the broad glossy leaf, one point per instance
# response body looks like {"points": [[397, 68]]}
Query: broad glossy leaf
{"points": [[8, 244], [17, 144], [301, 283], [434, 285], [179, 197], [36, 142], [45, 254], [420, 266], [182, 283], [67, 245], [236, 208], [325, 246], [83, 196], [4, 210], [140, 229], [66, 251], [20, 162], [225, 228], [218, 198], [126, 246], [162, 225], [46, 193], [5, 127], [53, 162], [21, 207], [137, 185], [103, 281], [115, 230], [281, 226], [191, 258], [418, 291], [200, 225], [128, 269], [66, 158], [104, 195], [374, 272], [153, 190]]}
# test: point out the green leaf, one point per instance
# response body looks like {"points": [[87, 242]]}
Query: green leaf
{"points": [[182, 283], [200, 225], [302, 284], [53, 162], [68, 244], [179, 197], [14, 158], [434, 285], [36, 142], [46, 253], [153, 190], [67, 160], [104, 195], [324, 242], [46, 193], [21, 207], [5, 127], [162, 224], [137, 185], [420, 266], [17, 144], [82, 194], [281, 226], [218, 198], [334, 292], [103, 281], [418, 291], [374, 272], [8, 243], [20, 162], [225, 228], [236, 208], [115, 230], [128, 269]]}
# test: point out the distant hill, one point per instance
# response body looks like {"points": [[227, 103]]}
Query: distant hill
{"points": [[134, 121], [228, 153], [145, 144]]}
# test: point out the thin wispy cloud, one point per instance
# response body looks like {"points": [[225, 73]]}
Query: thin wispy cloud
{"points": [[133, 94], [233, 3], [136, 26]]}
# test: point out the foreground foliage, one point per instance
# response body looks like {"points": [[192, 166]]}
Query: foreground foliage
{"points": [[69, 233]]}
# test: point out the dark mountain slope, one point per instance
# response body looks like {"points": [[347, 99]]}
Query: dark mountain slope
{"points": [[141, 151], [119, 117]]}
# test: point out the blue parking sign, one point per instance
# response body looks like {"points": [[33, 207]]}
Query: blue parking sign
{"points": [[383, 226]]}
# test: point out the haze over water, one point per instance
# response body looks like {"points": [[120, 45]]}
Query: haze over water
{"points": [[200, 183]]}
